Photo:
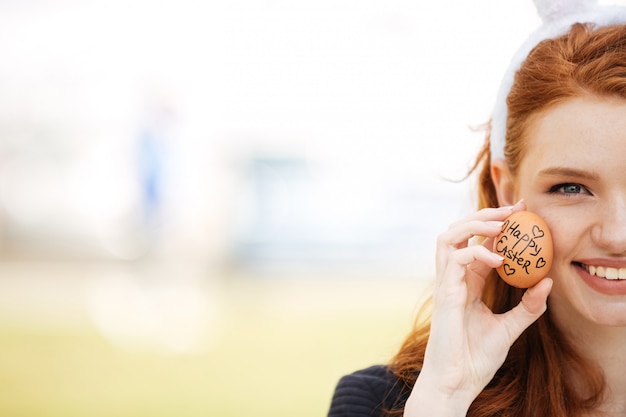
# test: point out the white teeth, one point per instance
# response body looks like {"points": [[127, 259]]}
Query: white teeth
{"points": [[606, 272], [612, 273]]}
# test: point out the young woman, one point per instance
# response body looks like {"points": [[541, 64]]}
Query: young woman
{"points": [[556, 147]]}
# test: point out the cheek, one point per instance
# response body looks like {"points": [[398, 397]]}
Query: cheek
{"points": [[566, 234]]}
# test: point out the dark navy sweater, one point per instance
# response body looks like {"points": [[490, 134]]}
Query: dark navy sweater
{"points": [[368, 393]]}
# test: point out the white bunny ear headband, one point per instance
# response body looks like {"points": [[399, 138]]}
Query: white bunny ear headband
{"points": [[558, 16]]}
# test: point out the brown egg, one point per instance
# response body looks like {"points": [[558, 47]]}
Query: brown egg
{"points": [[525, 242]]}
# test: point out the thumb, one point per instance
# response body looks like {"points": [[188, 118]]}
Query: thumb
{"points": [[532, 306]]}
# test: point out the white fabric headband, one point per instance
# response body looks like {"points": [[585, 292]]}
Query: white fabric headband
{"points": [[558, 16]]}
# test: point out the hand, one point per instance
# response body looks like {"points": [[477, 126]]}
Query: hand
{"points": [[468, 342]]}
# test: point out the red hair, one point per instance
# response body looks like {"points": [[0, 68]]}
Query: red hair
{"points": [[536, 377]]}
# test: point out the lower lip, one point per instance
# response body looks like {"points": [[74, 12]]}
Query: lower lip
{"points": [[602, 285]]}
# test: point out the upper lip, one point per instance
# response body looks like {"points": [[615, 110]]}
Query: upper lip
{"points": [[605, 262]]}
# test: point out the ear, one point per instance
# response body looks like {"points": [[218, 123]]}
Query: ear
{"points": [[503, 182]]}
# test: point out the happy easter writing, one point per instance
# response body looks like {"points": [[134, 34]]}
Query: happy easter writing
{"points": [[522, 243]]}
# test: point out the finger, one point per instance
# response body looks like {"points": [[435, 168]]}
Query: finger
{"points": [[481, 268], [480, 223], [530, 308], [483, 223], [458, 237], [462, 232], [461, 266], [493, 213]]}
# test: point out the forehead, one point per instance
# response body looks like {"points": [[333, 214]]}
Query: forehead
{"points": [[578, 132]]}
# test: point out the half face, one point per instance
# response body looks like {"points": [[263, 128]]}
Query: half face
{"points": [[574, 176]]}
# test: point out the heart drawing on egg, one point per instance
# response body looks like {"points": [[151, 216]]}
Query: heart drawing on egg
{"points": [[537, 232], [508, 270], [541, 263]]}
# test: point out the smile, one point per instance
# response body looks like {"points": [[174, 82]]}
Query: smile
{"points": [[605, 272]]}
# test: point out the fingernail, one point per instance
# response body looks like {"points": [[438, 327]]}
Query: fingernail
{"points": [[495, 224], [497, 257], [505, 208]]}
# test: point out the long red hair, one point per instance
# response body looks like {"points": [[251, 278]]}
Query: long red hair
{"points": [[535, 379]]}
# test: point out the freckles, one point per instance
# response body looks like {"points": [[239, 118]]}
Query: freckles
{"points": [[567, 233]]}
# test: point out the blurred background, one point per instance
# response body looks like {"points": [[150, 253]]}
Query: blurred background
{"points": [[219, 208]]}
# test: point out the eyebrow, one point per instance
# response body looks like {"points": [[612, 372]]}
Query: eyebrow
{"points": [[568, 172]]}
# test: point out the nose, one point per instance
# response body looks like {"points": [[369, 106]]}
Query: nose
{"points": [[610, 230]]}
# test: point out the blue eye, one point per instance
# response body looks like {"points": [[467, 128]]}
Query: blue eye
{"points": [[569, 189]]}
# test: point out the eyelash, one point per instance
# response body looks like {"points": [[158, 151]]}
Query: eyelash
{"points": [[560, 189]]}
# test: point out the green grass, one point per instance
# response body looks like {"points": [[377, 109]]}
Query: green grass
{"points": [[272, 357]]}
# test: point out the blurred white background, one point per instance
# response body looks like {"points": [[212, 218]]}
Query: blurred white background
{"points": [[244, 132]]}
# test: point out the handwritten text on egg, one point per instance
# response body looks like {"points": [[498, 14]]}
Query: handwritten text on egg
{"points": [[523, 242]]}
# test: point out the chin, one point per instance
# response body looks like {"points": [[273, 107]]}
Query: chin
{"points": [[578, 299]]}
